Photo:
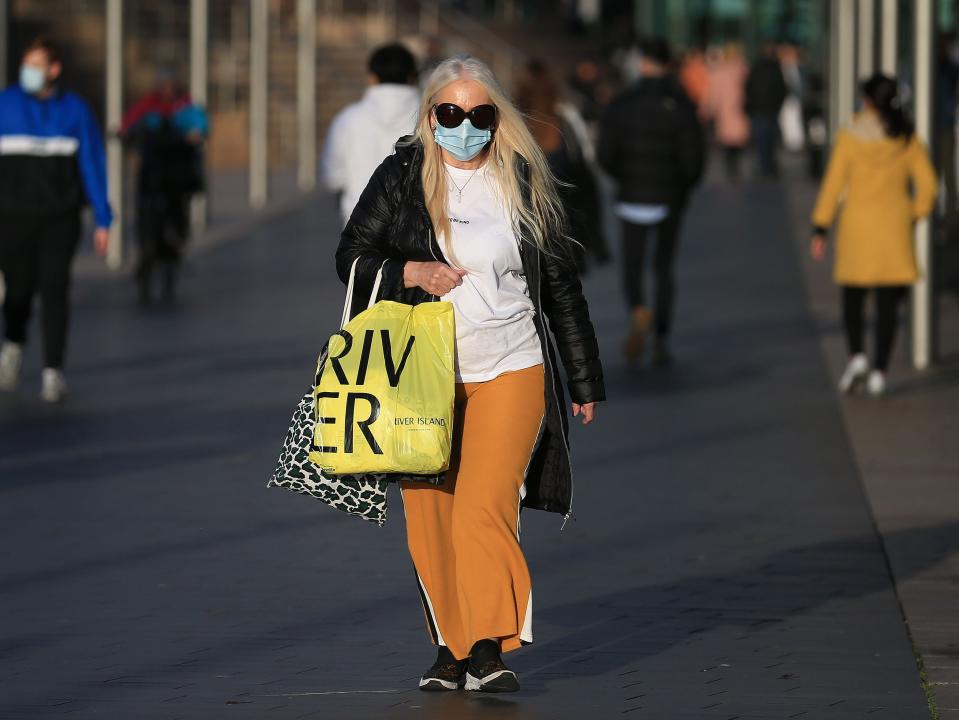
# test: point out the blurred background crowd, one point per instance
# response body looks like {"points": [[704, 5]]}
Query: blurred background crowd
{"points": [[262, 82]]}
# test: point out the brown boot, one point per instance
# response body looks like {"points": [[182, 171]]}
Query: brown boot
{"points": [[635, 344]]}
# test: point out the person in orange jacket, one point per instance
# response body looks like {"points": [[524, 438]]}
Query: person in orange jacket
{"points": [[881, 174], [723, 104]]}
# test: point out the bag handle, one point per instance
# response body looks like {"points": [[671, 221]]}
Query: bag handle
{"points": [[348, 303]]}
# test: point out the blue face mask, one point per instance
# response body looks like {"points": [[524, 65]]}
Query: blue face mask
{"points": [[464, 142], [32, 79]]}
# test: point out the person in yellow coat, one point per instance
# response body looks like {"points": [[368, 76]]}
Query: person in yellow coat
{"points": [[881, 176]]}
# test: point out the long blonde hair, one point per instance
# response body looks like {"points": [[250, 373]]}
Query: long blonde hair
{"points": [[542, 217]]}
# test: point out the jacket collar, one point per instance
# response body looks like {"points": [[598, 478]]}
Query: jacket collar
{"points": [[408, 148], [866, 125]]}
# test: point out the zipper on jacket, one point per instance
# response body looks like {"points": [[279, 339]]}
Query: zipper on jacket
{"points": [[431, 241], [432, 238], [549, 367]]}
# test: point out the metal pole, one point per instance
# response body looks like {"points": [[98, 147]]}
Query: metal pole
{"points": [[199, 63], [890, 28], [842, 64], [306, 94], [922, 311], [429, 19], [390, 19], [503, 67], [259, 58], [114, 114], [866, 63]]}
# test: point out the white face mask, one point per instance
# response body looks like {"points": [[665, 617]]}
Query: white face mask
{"points": [[32, 79]]}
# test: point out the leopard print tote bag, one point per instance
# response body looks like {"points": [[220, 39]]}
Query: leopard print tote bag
{"points": [[361, 495]]}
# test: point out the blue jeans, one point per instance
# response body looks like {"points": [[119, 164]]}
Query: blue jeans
{"points": [[765, 137]]}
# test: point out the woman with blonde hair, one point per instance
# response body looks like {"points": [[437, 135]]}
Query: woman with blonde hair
{"points": [[466, 210]]}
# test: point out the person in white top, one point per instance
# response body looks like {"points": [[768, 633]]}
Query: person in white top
{"points": [[466, 211], [494, 313], [362, 134]]}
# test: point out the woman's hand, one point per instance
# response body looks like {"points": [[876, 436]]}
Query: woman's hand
{"points": [[101, 241], [817, 247], [436, 278], [587, 410]]}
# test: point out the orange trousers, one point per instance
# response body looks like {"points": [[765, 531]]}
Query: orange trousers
{"points": [[464, 534]]}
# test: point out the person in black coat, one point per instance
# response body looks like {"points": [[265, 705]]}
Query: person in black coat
{"points": [[651, 143], [466, 210], [765, 93], [168, 132]]}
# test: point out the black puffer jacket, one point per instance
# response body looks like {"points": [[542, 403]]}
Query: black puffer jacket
{"points": [[765, 88], [651, 143], [390, 226]]}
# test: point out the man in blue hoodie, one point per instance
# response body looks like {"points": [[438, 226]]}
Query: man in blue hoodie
{"points": [[52, 163]]}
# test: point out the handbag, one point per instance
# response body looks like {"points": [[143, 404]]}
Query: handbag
{"points": [[385, 390], [791, 124], [362, 494]]}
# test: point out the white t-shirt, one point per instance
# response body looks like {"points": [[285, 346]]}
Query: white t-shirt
{"points": [[641, 214], [492, 308]]}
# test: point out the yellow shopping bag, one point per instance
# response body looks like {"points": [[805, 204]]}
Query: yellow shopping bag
{"points": [[384, 391]]}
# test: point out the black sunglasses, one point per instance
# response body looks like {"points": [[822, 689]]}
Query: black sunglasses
{"points": [[451, 116]]}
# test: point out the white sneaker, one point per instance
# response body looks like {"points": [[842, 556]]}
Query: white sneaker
{"points": [[876, 384], [54, 386], [11, 360], [855, 373]]}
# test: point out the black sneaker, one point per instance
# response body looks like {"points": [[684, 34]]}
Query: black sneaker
{"points": [[447, 673], [486, 671]]}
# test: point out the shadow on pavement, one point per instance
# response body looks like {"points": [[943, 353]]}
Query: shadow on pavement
{"points": [[606, 635]]}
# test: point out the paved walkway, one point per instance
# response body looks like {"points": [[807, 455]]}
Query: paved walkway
{"points": [[908, 457], [722, 563]]}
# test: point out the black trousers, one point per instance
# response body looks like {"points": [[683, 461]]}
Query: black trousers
{"points": [[36, 254], [765, 137], [162, 220], [888, 298], [635, 241], [732, 154]]}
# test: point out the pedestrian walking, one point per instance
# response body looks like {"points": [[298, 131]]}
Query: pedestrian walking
{"points": [[882, 176], [466, 210], [791, 126], [724, 105], [168, 131], [765, 93], [52, 163], [651, 143], [363, 133], [814, 119], [561, 133]]}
